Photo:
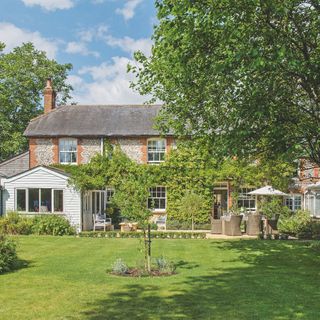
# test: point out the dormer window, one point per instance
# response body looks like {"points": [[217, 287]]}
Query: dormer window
{"points": [[156, 150], [68, 151]]}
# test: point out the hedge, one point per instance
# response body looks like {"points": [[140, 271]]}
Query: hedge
{"points": [[139, 235]]}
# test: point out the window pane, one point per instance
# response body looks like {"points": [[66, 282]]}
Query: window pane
{"points": [[46, 203], [58, 200], [33, 200], [21, 200], [68, 150]]}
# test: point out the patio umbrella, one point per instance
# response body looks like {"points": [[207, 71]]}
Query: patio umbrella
{"points": [[267, 191]]}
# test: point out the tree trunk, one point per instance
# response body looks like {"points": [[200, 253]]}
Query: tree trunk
{"points": [[147, 249]]}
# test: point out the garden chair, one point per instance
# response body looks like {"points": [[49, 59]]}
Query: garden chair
{"points": [[161, 222], [253, 225], [100, 221], [216, 226], [272, 224], [231, 225]]}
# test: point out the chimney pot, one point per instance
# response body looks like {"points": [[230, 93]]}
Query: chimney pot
{"points": [[49, 97]]}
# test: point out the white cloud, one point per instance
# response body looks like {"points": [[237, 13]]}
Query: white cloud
{"points": [[13, 36], [109, 84], [130, 45], [128, 10], [50, 5], [81, 48]]}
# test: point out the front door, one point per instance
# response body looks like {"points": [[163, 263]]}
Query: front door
{"points": [[220, 200], [87, 211]]}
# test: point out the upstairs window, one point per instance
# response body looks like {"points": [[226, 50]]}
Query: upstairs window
{"points": [[156, 150], [68, 151], [157, 199]]}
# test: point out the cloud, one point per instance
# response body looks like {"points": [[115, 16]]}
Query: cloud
{"points": [[130, 45], [13, 36], [109, 83], [81, 48], [128, 11], [50, 5]]}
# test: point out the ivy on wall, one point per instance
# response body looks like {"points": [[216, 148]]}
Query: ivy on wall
{"points": [[188, 168]]}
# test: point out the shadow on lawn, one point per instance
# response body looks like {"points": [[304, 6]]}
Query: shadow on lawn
{"points": [[273, 280]]}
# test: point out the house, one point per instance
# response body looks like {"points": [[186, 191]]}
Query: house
{"points": [[74, 134]]}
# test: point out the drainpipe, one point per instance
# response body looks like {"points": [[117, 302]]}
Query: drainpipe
{"points": [[1, 201]]}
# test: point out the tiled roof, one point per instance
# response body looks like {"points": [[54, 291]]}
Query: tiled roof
{"points": [[96, 121]]}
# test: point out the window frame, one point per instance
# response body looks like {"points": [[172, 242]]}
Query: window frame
{"points": [[246, 197], [292, 197], [156, 152], [165, 199], [69, 152], [39, 199]]}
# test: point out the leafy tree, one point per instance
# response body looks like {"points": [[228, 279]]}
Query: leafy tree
{"points": [[191, 205], [23, 73], [241, 75]]}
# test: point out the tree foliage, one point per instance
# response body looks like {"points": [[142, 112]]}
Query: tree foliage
{"points": [[23, 73], [241, 75]]}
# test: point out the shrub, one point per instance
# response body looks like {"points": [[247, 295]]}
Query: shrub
{"points": [[8, 256], [164, 265], [295, 224], [310, 230], [273, 207], [13, 223], [52, 225], [119, 267]]}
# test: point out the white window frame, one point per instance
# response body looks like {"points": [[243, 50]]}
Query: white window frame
{"points": [[108, 194], [16, 199], [247, 197], [154, 152], [165, 198], [39, 198], [293, 197], [64, 151]]}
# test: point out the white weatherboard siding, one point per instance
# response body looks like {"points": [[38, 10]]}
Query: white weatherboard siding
{"points": [[45, 178]]}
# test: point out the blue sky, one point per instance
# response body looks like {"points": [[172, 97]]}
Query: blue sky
{"points": [[97, 36]]}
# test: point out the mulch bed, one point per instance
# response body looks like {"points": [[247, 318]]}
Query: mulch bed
{"points": [[134, 272]]}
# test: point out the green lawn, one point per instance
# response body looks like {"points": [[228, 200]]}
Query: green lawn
{"points": [[65, 278]]}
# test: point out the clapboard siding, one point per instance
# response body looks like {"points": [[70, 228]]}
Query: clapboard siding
{"points": [[43, 178]]}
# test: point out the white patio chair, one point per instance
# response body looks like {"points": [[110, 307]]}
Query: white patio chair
{"points": [[161, 222], [100, 220]]}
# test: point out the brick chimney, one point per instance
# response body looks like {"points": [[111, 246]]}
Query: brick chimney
{"points": [[49, 97]]}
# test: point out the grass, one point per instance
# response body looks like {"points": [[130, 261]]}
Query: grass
{"points": [[65, 278]]}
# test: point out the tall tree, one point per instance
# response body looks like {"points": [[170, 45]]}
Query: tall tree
{"points": [[23, 73], [243, 75]]}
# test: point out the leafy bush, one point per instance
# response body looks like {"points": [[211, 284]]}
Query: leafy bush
{"points": [[274, 206], [8, 256], [13, 223], [52, 225], [310, 230], [295, 223], [119, 267], [164, 265]]}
